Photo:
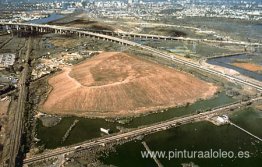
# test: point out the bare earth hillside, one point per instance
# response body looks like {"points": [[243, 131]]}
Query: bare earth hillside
{"points": [[116, 84]]}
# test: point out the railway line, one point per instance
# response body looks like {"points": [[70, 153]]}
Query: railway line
{"points": [[16, 135], [16, 132]]}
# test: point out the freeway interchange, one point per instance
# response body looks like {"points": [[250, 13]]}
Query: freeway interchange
{"points": [[158, 37], [158, 53], [164, 55], [142, 130]]}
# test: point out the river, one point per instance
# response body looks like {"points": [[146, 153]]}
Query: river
{"points": [[201, 136], [226, 62], [90, 128]]}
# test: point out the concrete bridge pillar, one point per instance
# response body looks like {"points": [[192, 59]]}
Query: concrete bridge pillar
{"points": [[67, 32]]}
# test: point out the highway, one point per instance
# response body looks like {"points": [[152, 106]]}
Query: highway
{"points": [[162, 54], [185, 62], [203, 68], [16, 131], [137, 132], [152, 36], [140, 131], [150, 24]]}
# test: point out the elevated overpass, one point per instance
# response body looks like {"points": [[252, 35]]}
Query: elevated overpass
{"points": [[71, 30], [170, 38], [157, 127]]}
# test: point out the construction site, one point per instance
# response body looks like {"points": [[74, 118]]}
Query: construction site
{"points": [[58, 81]]}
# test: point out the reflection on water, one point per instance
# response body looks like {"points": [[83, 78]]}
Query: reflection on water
{"points": [[201, 136], [89, 128], [226, 62]]}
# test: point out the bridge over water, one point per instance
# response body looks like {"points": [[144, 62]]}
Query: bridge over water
{"points": [[34, 28], [139, 131]]}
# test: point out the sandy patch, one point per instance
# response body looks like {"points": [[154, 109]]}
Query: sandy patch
{"points": [[249, 66], [116, 84], [59, 42]]}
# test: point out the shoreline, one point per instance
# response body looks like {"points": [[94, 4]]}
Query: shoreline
{"points": [[158, 96], [114, 118]]}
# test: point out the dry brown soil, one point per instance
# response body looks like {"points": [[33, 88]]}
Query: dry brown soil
{"points": [[249, 66], [116, 84], [61, 42], [4, 107]]}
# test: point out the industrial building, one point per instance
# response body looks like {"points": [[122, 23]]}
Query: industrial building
{"points": [[7, 59]]}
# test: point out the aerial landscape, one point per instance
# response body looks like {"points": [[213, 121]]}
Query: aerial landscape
{"points": [[150, 83]]}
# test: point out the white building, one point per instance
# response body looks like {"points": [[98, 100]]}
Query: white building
{"points": [[7, 59], [222, 119], [106, 131]]}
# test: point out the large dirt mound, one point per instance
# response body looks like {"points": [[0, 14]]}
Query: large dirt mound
{"points": [[116, 84]]}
